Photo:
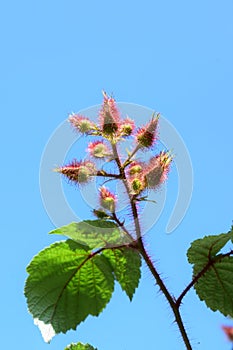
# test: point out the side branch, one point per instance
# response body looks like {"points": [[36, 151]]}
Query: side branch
{"points": [[105, 174]]}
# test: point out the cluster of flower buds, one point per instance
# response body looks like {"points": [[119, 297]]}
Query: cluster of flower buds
{"points": [[143, 176], [136, 178], [112, 128]]}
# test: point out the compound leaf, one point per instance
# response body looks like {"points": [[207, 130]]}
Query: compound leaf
{"points": [[66, 283], [126, 263], [93, 233], [215, 271]]}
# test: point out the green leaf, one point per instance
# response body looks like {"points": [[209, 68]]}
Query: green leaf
{"points": [[80, 346], [93, 233], [216, 272], [206, 247], [66, 283], [126, 263]]}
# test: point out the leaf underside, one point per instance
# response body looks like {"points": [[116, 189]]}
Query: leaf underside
{"points": [[215, 286]]}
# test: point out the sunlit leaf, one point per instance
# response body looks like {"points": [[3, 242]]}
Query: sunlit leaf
{"points": [[93, 233], [66, 283], [126, 263], [80, 346]]}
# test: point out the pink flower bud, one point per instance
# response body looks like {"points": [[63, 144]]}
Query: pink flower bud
{"points": [[107, 199], [146, 136], [109, 116], [127, 127], [78, 172], [98, 149], [82, 124], [156, 171]]}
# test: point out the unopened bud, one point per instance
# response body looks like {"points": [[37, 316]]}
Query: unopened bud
{"points": [[137, 185], [109, 116], [146, 136], [82, 124], [156, 171], [107, 199], [78, 172], [98, 149], [126, 127], [135, 168]]}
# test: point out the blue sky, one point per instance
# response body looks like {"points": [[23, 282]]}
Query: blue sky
{"points": [[174, 57]]}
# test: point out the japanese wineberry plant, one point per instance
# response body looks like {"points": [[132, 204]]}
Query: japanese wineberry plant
{"points": [[74, 278]]}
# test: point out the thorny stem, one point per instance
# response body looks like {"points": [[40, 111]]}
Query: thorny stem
{"points": [[122, 226], [131, 198], [140, 247], [171, 300]]}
